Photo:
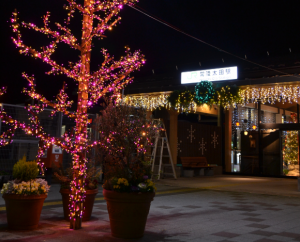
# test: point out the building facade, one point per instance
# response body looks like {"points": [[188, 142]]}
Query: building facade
{"points": [[258, 137]]}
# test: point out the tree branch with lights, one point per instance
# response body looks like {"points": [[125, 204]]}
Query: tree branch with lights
{"points": [[112, 76]]}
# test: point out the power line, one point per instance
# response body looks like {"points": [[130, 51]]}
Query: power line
{"points": [[206, 43]]}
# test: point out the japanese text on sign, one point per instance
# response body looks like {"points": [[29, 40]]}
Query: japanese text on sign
{"points": [[219, 74]]}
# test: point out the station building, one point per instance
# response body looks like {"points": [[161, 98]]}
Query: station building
{"points": [[259, 137]]}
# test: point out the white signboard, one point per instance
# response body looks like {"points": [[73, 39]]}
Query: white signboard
{"points": [[56, 149], [219, 74]]}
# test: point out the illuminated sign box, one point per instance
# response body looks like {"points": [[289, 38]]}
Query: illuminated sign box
{"points": [[219, 74]]}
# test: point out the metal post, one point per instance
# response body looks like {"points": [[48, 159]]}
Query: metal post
{"points": [[59, 124], [298, 153], [220, 109], [298, 138], [235, 137], [297, 113], [260, 149], [1, 107], [222, 113]]}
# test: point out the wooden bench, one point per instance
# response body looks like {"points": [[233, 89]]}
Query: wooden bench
{"points": [[198, 164]]}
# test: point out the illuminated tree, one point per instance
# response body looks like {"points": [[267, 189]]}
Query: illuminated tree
{"points": [[113, 75], [290, 150]]}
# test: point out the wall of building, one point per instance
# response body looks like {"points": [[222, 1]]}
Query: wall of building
{"points": [[199, 140]]}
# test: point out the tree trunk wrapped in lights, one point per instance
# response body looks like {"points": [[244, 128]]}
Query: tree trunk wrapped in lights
{"points": [[112, 76]]}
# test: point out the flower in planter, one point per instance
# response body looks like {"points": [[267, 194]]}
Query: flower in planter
{"points": [[147, 186], [34, 187], [25, 183], [134, 188], [122, 185], [24, 196]]}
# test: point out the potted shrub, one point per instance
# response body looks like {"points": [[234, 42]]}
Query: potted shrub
{"points": [[124, 134], [24, 196], [91, 190]]}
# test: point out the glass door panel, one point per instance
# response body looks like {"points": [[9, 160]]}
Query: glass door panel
{"points": [[249, 161], [271, 162]]}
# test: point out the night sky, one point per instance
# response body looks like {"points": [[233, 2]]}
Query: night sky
{"points": [[241, 27]]}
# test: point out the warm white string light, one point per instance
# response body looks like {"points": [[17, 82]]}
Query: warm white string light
{"points": [[152, 101], [271, 94]]}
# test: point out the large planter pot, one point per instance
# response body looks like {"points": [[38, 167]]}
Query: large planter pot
{"points": [[128, 213], [88, 203], [23, 212]]}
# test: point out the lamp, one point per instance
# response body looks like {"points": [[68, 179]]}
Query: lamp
{"points": [[237, 124], [254, 127], [245, 132]]}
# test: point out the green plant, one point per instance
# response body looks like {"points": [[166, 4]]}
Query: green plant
{"points": [[173, 98], [25, 170], [285, 171], [122, 185], [25, 183], [65, 177], [228, 96], [181, 99]]}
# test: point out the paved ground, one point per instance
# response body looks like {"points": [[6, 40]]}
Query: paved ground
{"points": [[258, 185], [224, 208]]}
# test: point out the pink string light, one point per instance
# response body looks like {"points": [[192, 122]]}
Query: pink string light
{"points": [[111, 77]]}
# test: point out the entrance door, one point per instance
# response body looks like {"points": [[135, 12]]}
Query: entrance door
{"points": [[249, 153], [271, 152]]}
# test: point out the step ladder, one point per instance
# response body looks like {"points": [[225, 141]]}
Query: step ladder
{"points": [[161, 141]]}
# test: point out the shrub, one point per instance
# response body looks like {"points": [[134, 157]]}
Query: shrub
{"points": [[125, 134], [25, 170], [65, 176]]}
